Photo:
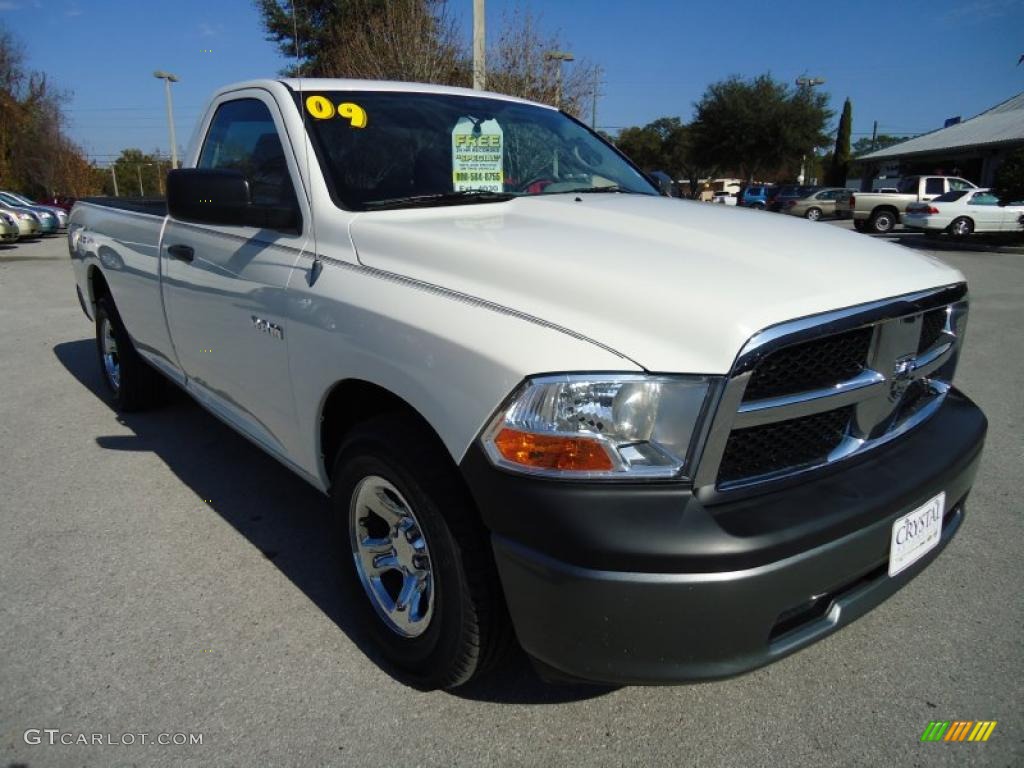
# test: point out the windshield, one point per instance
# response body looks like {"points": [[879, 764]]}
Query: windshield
{"points": [[379, 148]]}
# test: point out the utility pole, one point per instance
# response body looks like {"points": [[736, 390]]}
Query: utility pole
{"points": [[806, 82], [113, 172], [138, 168], [593, 109], [874, 136], [479, 62], [168, 78], [559, 57]]}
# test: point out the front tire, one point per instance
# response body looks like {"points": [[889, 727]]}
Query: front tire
{"points": [[135, 386], [416, 555], [860, 225]]}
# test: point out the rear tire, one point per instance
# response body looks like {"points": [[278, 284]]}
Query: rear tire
{"points": [[135, 386], [813, 214], [882, 222], [961, 227], [860, 225], [406, 526]]}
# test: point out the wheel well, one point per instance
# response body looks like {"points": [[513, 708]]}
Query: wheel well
{"points": [[886, 209], [353, 401], [98, 287]]}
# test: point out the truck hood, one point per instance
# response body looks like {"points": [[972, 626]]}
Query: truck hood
{"points": [[675, 286]]}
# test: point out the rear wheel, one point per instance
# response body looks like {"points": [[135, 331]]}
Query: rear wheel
{"points": [[882, 222], [416, 555], [813, 214], [134, 385], [961, 227]]}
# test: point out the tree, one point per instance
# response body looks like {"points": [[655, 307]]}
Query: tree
{"points": [[840, 164], [418, 40], [517, 65], [36, 156], [1009, 181], [132, 167], [370, 39], [881, 141], [663, 145], [758, 126]]}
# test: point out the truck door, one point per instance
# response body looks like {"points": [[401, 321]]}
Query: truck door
{"points": [[225, 286]]}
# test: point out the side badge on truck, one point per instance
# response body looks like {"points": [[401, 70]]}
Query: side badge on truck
{"points": [[268, 327]]}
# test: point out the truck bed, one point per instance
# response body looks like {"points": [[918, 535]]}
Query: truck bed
{"points": [[153, 206]]}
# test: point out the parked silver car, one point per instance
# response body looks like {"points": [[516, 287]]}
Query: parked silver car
{"points": [[15, 199], [49, 222], [28, 223], [816, 205], [9, 230]]}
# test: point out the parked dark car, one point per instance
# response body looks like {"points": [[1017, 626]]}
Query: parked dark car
{"points": [[778, 201]]}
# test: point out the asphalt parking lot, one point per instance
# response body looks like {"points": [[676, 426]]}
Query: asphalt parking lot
{"points": [[161, 575]]}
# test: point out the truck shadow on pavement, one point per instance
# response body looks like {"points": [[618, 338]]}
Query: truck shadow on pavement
{"points": [[281, 515]]}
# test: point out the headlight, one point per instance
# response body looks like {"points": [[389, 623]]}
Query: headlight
{"points": [[592, 427]]}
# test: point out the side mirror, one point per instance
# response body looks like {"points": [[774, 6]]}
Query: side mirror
{"points": [[222, 197]]}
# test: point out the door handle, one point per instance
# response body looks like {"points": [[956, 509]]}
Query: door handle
{"points": [[183, 252]]}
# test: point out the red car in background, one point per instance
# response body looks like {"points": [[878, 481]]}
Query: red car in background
{"points": [[60, 202]]}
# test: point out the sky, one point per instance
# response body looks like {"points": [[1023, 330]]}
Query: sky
{"points": [[909, 65]]}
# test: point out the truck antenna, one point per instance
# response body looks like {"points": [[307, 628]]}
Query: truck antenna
{"points": [[314, 270]]}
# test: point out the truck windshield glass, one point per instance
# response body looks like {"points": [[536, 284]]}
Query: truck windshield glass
{"points": [[382, 149]]}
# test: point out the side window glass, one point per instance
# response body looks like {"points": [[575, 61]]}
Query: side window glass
{"points": [[243, 137], [959, 184], [934, 187], [983, 198]]}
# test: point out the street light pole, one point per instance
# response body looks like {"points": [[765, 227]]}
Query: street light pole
{"points": [[138, 169], [559, 57], [479, 62], [113, 172], [806, 82], [168, 78]]}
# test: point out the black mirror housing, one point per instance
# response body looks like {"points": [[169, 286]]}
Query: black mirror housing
{"points": [[204, 196], [207, 197]]}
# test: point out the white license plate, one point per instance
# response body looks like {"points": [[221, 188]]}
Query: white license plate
{"points": [[916, 533]]}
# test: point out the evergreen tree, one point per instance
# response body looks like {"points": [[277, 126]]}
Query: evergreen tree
{"points": [[841, 157]]}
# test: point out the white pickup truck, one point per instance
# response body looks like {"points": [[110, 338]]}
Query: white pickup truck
{"points": [[648, 440]]}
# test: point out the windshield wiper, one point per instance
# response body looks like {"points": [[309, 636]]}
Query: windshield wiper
{"points": [[594, 191], [442, 198]]}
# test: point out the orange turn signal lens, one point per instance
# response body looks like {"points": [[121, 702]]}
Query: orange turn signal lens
{"points": [[573, 454]]}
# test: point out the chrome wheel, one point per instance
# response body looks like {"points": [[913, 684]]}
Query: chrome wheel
{"points": [[813, 214], [391, 556], [883, 223], [962, 228], [111, 360]]}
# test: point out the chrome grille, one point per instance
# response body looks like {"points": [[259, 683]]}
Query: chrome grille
{"points": [[810, 365], [782, 412], [757, 451]]}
